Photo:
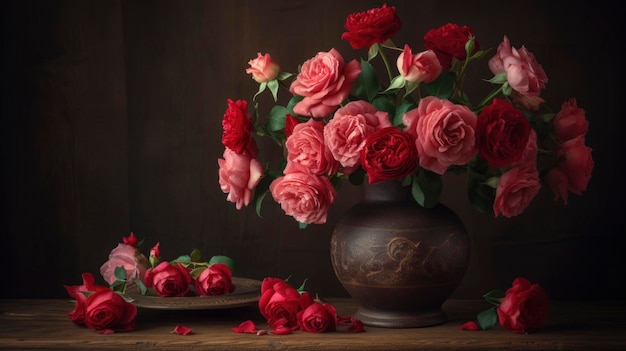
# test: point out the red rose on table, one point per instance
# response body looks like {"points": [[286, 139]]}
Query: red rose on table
{"points": [[370, 27], [389, 153], [280, 303], [106, 310], [168, 280], [448, 42], [215, 280], [77, 292], [318, 318], [502, 133], [524, 308], [237, 127]]}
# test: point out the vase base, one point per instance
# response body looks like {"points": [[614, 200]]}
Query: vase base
{"points": [[400, 319]]}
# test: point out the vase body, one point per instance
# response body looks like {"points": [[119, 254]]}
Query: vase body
{"points": [[399, 261]]}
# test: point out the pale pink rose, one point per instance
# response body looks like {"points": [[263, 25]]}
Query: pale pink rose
{"points": [[263, 68], [324, 81], [306, 146], [529, 155], [302, 195], [444, 132], [558, 183], [570, 122], [126, 256], [523, 73], [576, 163], [238, 176], [345, 134], [516, 189], [423, 67]]}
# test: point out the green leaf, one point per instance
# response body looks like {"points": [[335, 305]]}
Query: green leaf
{"points": [[401, 110], [373, 51], [195, 255], [495, 297], [292, 102], [302, 289], [302, 226], [479, 191], [276, 118], [120, 273], [499, 78], [367, 82], [427, 187], [469, 46], [195, 273], [184, 259], [487, 318], [397, 82], [284, 75], [140, 284], [262, 87], [385, 104], [442, 87], [225, 260], [118, 285], [259, 202], [273, 86], [410, 87]]}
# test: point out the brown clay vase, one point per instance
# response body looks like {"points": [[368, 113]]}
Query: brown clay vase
{"points": [[399, 261]]}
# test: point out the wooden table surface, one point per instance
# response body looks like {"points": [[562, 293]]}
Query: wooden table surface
{"points": [[30, 324]]}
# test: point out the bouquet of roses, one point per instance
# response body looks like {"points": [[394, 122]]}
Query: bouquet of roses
{"points": [[344, 122]]}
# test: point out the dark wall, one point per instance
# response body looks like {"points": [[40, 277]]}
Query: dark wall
{"points": [[111, 123]]}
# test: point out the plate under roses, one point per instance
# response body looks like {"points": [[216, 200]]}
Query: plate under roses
{"points": [[247, 293]]}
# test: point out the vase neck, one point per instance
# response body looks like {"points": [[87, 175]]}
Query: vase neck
{"points": [[387, 190]]}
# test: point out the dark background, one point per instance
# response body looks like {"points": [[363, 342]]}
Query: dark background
{"points": [[111, 123]]}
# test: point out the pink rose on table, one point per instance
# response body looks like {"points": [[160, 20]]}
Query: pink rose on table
{"points": [[570, 122], [127, 256], [523, 73], [502, 133], [280, 303], [168, 280], [372, 26], [306, 146], [345, 134], [107, 311], [515, 191], [215, 280], [389, 153], [444, 133], [263, 68], [302, 195], [318, 317], [324, 81], [576, 163], [422, 67], [448, 42], [239, 174], [524, 308], [237, 126]]}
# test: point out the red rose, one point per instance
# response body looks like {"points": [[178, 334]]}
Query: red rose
{"points": [[106, 310], [448, 41], [524, 308], [502, 133], [280, 303], [370, 27], [131, 240], [77, 292], [318, 318], [237, 127], [389, 153], [168, 280], [215, 280], [290, 123]]}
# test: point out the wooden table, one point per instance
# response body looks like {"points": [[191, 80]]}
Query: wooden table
{"points": [[27, 324]]}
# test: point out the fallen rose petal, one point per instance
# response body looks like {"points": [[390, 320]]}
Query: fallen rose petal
{"points": [[282, 330], [106, 331], [471, 326], [343, 320], [356, 326], [261, 332], [245, 327], [182, 330]]}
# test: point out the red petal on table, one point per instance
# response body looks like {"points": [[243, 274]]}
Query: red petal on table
{"points": [[471, 326], [245, 327], [282, 330], [182, 330], [106, 331]]}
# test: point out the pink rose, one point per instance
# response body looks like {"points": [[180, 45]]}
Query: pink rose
{"points": [[168, 280], [239, 174], [318, 317], [523, 73], [524, 308], [558, 183], [576, 163], [570, 122], [107, 310], [306, 146], [324, 81], [515, 191], [280, 303], [215, 280], [263, 68], [345, 134], [302, 195], [126, 256], [444, 131], [423, 67]]}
